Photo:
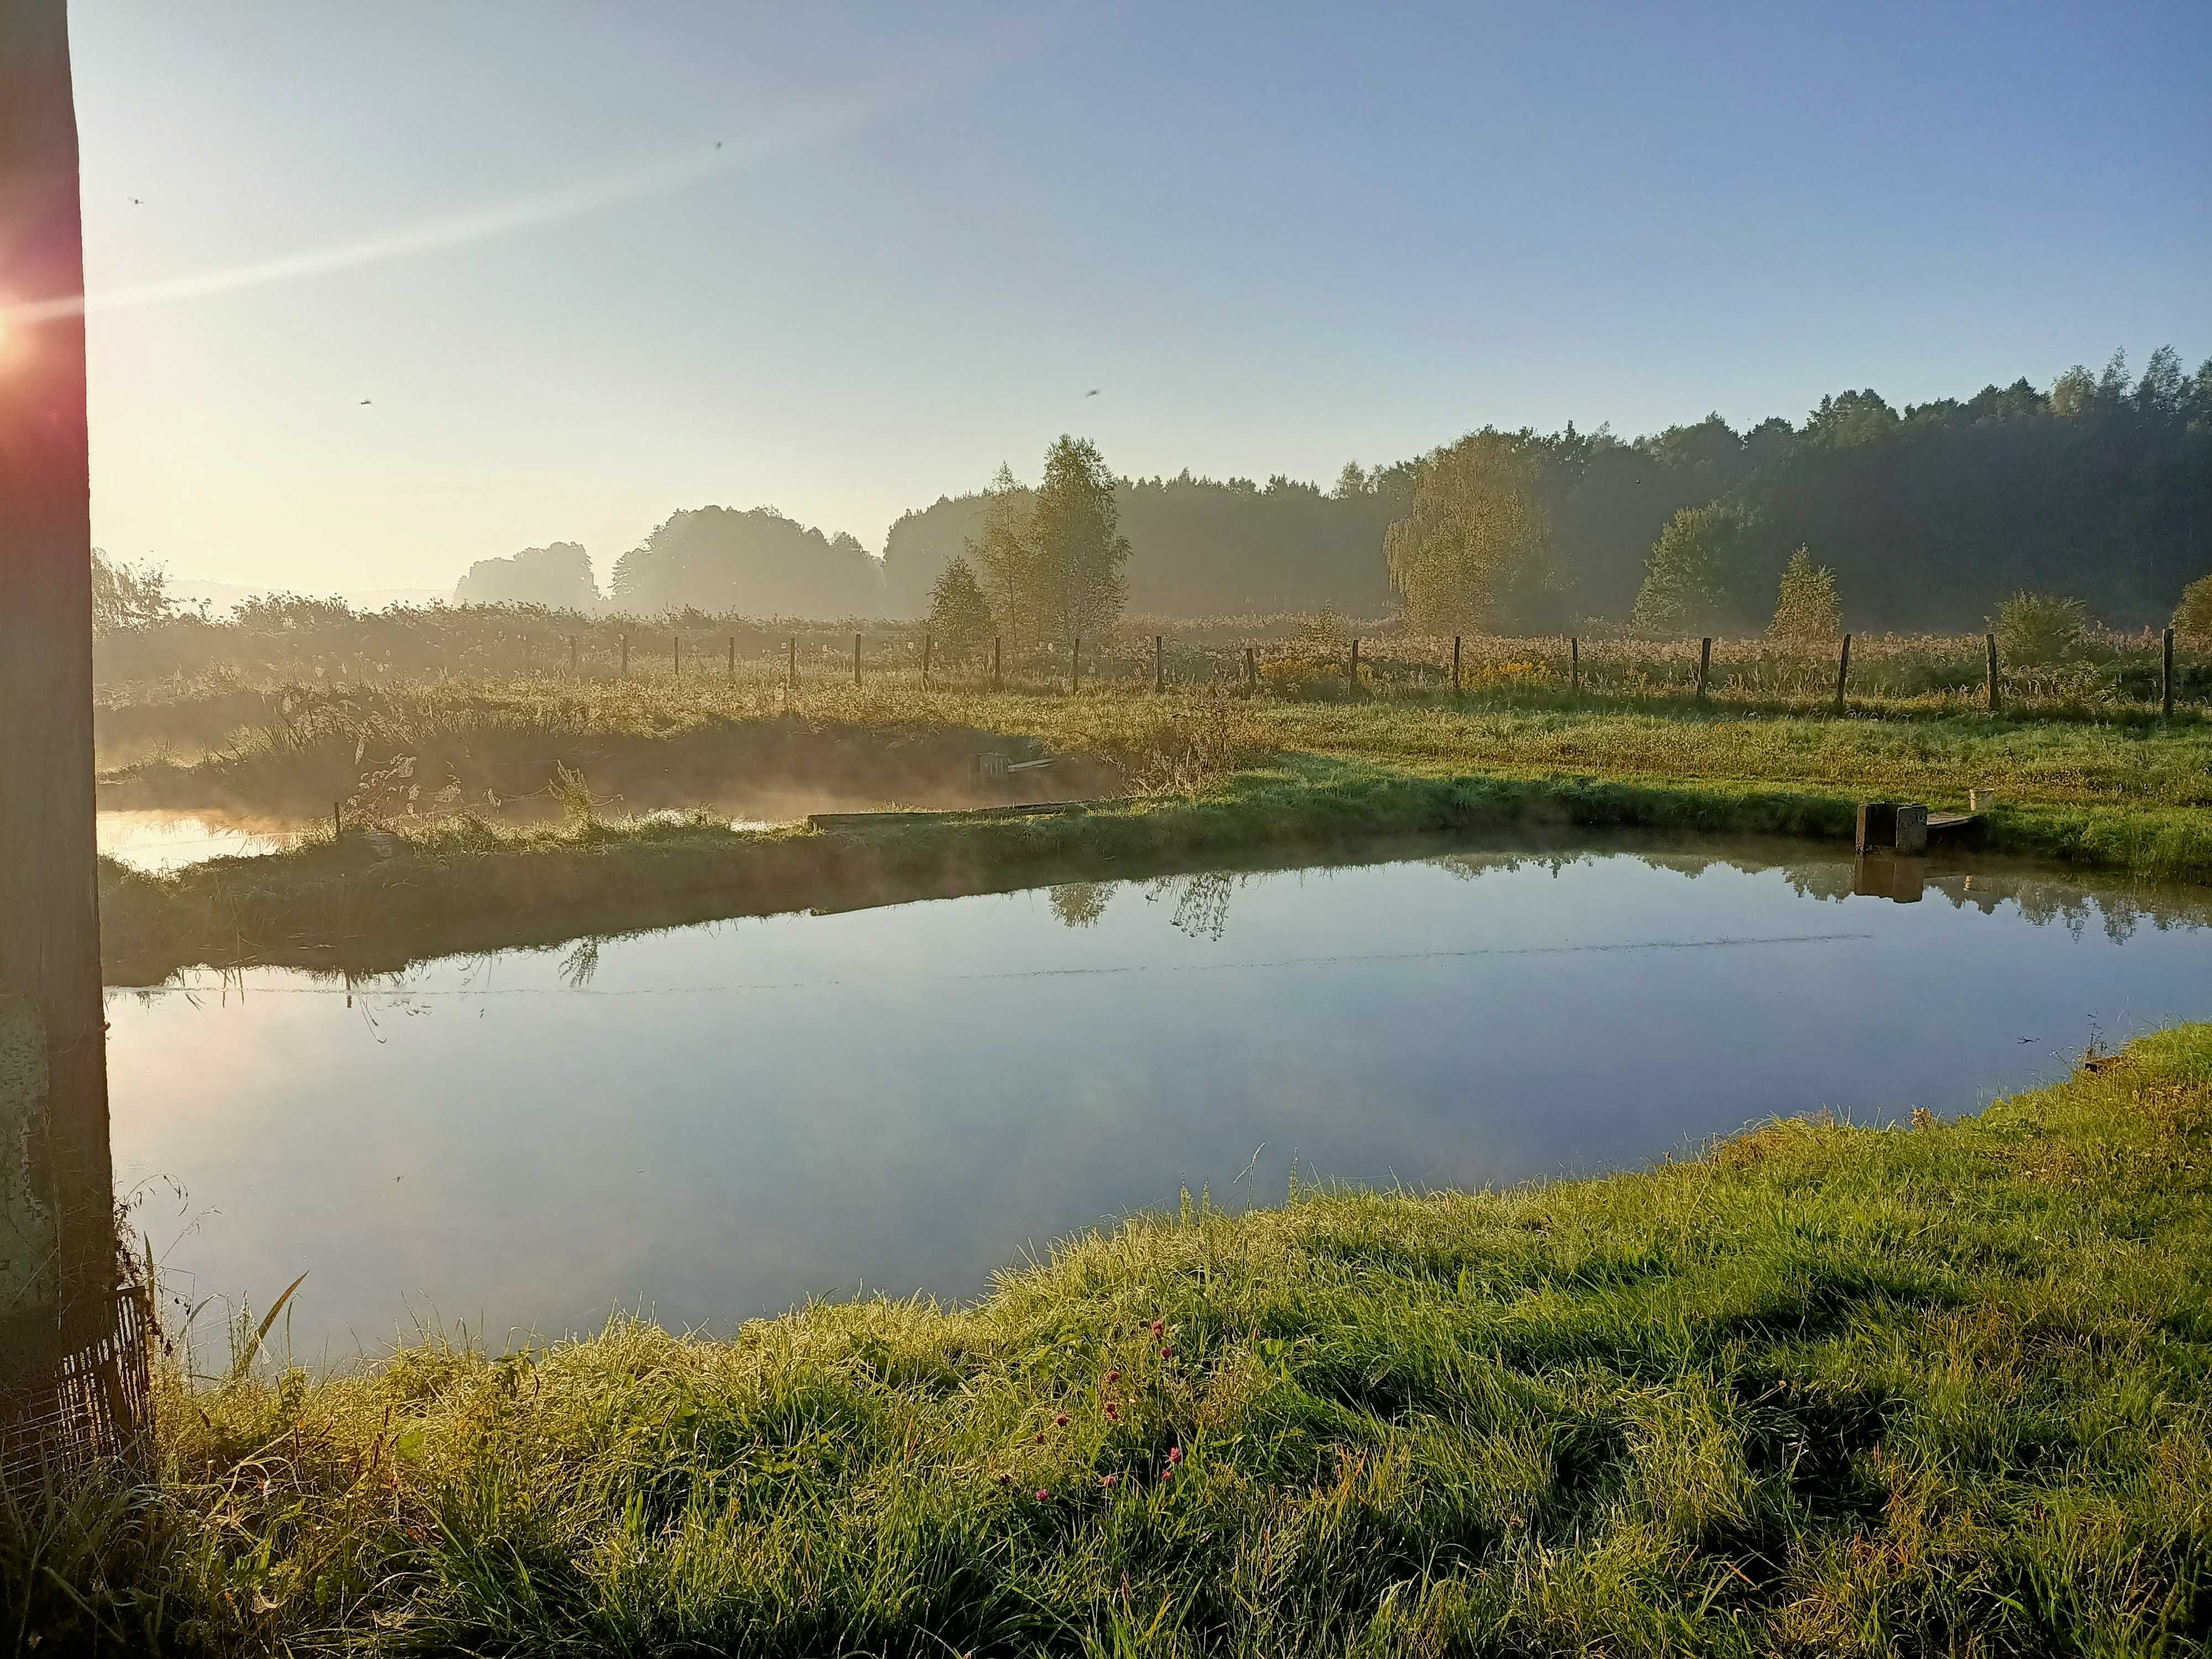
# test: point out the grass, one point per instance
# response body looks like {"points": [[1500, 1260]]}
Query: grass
{"points": [[1215, 778], [1823, 1390]]}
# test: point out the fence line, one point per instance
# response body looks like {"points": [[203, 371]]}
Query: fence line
{"points": [[2146, 671]]}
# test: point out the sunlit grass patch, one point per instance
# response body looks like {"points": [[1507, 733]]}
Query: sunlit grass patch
{"points": [[1826, 1389]]}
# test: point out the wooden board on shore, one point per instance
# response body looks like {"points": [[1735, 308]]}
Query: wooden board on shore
{"points": [[1021, 809]]}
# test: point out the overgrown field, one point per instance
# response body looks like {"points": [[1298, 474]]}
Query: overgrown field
{"points": [[437, 773], [1825, 1390], [2095, 673]]}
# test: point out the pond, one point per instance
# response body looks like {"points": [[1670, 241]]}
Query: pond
{"points": [[714, 1122], [158, 841]]}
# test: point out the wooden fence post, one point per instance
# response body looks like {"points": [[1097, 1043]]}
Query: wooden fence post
{"points": [[679, 656], [925, 660], [1843, 673], [733, 659], [72, 1378], [1705, 665], [1075, 666], [1454, 665], [856, 659], [1990, 642], [1159, 668], [997, 682], [625, 656], [1574, 664], [791, 672], [1251, 671], [2166, 676], [1351, 667]]}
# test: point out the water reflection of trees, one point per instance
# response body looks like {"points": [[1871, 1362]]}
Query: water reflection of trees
{"points": [[1201, 907], [2042, 900], [580, 962], [1080, 903]]}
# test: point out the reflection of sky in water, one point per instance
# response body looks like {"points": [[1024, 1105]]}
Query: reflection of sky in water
{"points": [[165, 841], [158, 839], [717, 1121]]}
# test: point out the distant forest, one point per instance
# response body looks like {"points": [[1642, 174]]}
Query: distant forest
{"points": [[2098, 488]]}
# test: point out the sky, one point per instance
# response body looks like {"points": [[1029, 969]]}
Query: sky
{"points": [[375, 291]]}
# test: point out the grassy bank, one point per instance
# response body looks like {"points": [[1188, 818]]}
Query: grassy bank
{"points": [[1824, 1390], [1265, 778]]}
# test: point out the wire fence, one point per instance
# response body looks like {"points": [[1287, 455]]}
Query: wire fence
{"points": [[1290, 657]]}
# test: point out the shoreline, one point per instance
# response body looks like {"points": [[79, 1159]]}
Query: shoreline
{"points": [[372, 901], [1939, 1381]]}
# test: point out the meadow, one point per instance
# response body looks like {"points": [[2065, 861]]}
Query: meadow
{"points": [[1823, 1389], [488, 809]]}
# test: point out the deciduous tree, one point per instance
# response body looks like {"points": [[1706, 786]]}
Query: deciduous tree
{"points": [[1699, 576], [1474, 554]]}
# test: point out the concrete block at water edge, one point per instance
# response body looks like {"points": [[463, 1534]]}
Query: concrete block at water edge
{"points": [[1911, 828]]}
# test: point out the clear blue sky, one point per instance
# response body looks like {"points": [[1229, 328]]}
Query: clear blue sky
{"points": [[1275, 237]]}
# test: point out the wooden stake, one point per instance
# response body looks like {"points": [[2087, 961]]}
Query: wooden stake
{"points": [[1159, 668], [625, 656], [1075, 666], [1705, 665], [1843, 673], [733, 657], [1251, 671], [1351, 667], [2166, 676], [996, 682], [337, 820], [856, 659], [1574, 665], [1454, 665], [60, 1280], [679, 656], [791, 672], [925, 661], [1990, 641]]}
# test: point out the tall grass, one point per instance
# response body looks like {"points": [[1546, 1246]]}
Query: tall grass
{"points": [[1824, 1390], [2119, 758], [325, 644]]}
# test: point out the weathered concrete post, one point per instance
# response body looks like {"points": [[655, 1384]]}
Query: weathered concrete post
{"points": [[59, 1269]]}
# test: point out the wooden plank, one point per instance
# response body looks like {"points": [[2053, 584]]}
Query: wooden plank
{"points": [[1019, 810]]}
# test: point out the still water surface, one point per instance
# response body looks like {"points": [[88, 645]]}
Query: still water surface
{"points": [[712, 1121]]}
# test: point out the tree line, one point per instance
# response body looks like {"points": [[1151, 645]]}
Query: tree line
{"points": [[2098, 487]]}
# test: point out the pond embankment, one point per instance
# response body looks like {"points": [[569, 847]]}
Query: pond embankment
{"points": [[375, 900], [1824, 1390]]}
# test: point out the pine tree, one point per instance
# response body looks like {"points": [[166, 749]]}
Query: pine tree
{"points": [[1807, 610], [959, 615]]}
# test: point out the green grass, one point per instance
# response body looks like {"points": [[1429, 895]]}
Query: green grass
{"points": [[1229, 780], [1824, 1390]]}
